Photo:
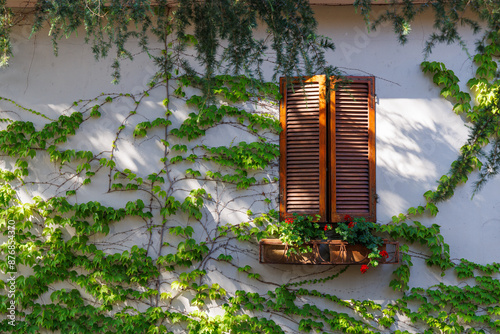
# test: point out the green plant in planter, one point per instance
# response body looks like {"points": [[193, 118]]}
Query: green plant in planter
{"points": [[357, 231], [296, 232]]}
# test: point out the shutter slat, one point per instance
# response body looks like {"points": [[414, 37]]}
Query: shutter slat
{"points": [[302, 147], [352, 127]]}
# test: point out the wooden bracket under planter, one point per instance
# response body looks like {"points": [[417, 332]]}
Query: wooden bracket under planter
{"points": [[324, 252]]}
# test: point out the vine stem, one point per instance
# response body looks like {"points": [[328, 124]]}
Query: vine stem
{"points": [[167, 171]]}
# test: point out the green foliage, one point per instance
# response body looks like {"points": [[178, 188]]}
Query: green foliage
{"points": [[244, 53], [317, 280], [6, 16], [110, 25], [429, 236], [466, 269], [357, 231], [241, 178], [211, 115], [61, 238], [142, 128], [484, 115], [234, 89], [110, 278], [450, 309], [244, 156], [449, 18], [113, 279], [296, 232]]}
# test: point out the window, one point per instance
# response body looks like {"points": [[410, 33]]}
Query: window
{"points": [[327, 147]]}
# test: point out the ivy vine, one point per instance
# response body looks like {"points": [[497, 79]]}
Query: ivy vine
{"points": [[71, 275]]}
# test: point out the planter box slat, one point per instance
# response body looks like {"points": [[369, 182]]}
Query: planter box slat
{"points": [[327, 252]]}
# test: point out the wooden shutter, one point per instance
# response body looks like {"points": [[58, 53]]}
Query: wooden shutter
{"points": [[303, 176], [352, 149]]}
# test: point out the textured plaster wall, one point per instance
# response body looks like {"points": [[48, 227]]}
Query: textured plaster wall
{"points": [[418, 136]]}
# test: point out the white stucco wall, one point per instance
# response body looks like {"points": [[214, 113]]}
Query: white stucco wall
{"points": [[418, 136]]}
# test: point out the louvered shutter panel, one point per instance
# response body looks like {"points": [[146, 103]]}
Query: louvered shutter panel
{"points": [[303, 176], [352, 147]]}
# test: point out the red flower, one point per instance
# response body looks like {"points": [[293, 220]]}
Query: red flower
{"points": [[364, 268], [384, 254], [347, 218], [351, 224], [289, 220]]}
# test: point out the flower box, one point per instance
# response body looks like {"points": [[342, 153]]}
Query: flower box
{"points": [[324, 252], [274, 251], [344, 253]]}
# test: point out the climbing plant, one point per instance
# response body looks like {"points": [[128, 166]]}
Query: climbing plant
{"points": [[225, 33], [290, 32], [449, 18], [160, 259], [178, 242]]}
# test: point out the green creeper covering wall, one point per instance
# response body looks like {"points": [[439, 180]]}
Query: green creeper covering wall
{"points": [[59, 239]]}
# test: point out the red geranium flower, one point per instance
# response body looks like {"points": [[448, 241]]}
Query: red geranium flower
{"points": [[384, 254], [347, 218], [364, 268], [289, 220], [351, 224]]}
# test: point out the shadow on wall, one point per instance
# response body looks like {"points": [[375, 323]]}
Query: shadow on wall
{"points": [[378, 52], [417, 139]]}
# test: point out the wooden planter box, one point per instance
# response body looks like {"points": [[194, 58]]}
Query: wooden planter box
{"points": [[324, 252]]}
